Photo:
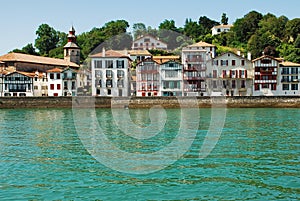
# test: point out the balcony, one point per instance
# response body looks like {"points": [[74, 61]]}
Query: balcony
{"points": [[194, 60], [69, 77], [194, 68], [290, 80], [192, 78]]}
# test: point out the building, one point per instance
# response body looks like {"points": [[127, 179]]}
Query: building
{"points": [[171, 78], [265, 76], [229, 74], [194, 59], [54, 82], [148, 78], [164, 59], [69, 78], [148, 43], [71, 49], [139, 55], [288, 79], [18, 84], [110, 74], [40, 84], [220, 29]]}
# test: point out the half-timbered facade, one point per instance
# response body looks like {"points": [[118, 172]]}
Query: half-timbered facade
{"points": [[265, 76], [18, 84], [148, 78]]}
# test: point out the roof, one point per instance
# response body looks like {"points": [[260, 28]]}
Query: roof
{"points": [[110, 54], [139, 52], [201, 44], [288, 63], [149, 36], [27, 58], [22, 73], [266, 56], [55, 70], [71, 45], [223, 26], [164, 59], [148, 60]]}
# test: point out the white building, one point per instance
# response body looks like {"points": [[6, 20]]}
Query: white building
{"points": [[288, 79], [265, 76], [54, 82], [220, 28], [18, 84], [110, 74], [171, 79], [229, 74], [40, 84], [148, 43], [69, 77]]}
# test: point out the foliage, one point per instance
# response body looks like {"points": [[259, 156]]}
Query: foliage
{"points": [[224, 19], [28, 49], [47, 39]]}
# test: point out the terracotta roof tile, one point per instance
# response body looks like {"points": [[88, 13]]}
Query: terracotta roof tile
{"points": [[288, 63], [202, 44], [36, 59], [55, 70]]}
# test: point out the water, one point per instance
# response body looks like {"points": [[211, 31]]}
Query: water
{"points": [[256, 158]]}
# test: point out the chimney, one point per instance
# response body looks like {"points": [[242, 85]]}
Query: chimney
{"points": [[239, 52], [103, 52], [249, 56]]}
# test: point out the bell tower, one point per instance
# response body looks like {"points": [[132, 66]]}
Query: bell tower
{"points": [[71, 49]]}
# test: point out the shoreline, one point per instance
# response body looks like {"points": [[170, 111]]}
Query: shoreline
{"points": [[148, 102]]}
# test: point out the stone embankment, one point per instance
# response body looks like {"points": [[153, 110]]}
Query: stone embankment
{"points": [[148, 102]]}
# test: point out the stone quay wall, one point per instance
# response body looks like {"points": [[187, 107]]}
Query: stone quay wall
{"points": [[148, 102]]}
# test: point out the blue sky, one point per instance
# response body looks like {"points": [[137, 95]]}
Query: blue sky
{"points": [[20, 19]]}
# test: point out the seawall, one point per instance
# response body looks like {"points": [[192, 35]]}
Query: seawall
{"points": [[148, 102]]}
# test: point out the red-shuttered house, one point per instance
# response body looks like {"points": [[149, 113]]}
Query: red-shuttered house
{"points": [[265, 76], [229, 74]]}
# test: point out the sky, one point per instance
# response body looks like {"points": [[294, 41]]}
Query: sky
{"points": [[19, 19]]}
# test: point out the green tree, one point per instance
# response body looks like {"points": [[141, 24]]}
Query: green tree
{"points": [[192, 29], [206, 24], [245, 27], [138, 30], [47, 39], [224, 19], [292, 29]]}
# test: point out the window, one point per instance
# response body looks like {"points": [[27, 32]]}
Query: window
{"points": [[214, 84], [108, 91], [35, 78], [120, 63], [265, 86], [170, 74], [216, 62], [285, 71], [285, 87], [294, 87], [294, 70], [65, 85], [224, 62], [109, 64], [233, 62], [73, 85], [51, 76], [266, 61], [58, 76], [98, 64], [120, 74], [51, 86], [36, 87], [146, 40], [120, 83], [243, 84], [243, 62], [108, 73], [233, 84], [135, 44], [214, 73], [58, 86], [109, 83]]}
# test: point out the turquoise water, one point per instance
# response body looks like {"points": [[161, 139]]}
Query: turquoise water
{"points": [[256, 158]]}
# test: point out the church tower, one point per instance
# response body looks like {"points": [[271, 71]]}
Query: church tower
{"points": [[71, 49]]}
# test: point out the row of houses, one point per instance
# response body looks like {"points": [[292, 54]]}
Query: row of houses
{"points": [[198, 71]]}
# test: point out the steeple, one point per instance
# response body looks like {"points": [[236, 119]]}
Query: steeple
{"points": [[71, 49]]}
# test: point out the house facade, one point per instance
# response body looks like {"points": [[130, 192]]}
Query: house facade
{"points": [[194, 59], [288, 79], [148, 78], [220, 29], [229, 74], [54, 82], [18, 84], [171, 78], [148, 43], [69, 79], [265, 76], [110, 74], [40, 84]]}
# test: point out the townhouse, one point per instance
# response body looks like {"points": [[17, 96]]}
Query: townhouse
{"points": [[148, 42], [288, 79], [110, 73], [229, 74]]}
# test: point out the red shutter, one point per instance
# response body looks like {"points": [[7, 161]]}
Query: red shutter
{"points": [[230, 74], [240, 74], [245, 73]]}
